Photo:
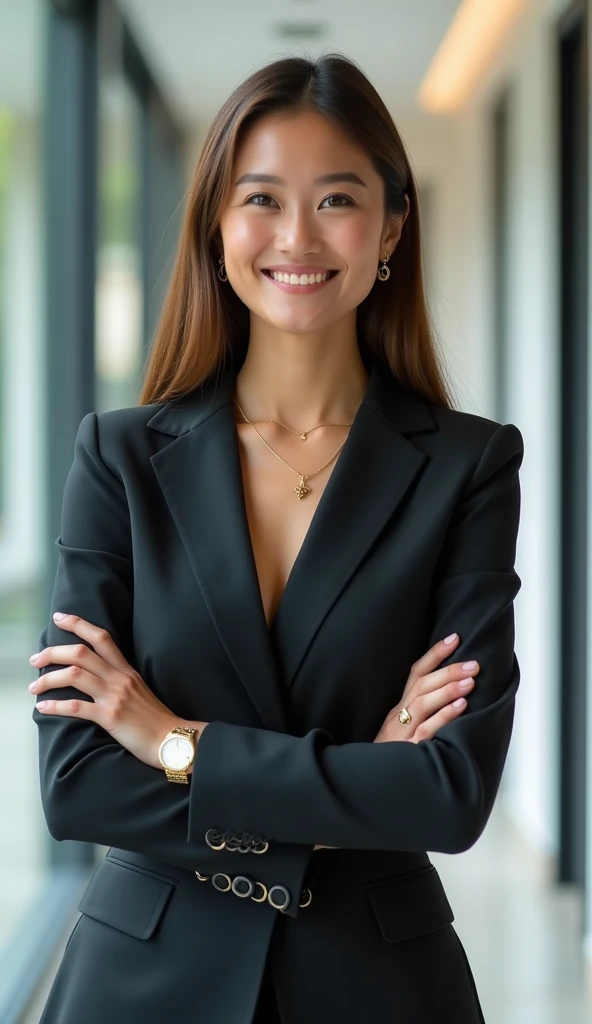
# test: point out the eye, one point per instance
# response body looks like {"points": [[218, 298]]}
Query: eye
{"points": [[338, 195], [257, 195]]}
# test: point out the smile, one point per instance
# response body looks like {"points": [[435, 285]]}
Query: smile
{"points": [[304, 283]]}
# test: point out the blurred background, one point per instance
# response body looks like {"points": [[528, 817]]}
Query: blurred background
{"points": [[103, 108]]}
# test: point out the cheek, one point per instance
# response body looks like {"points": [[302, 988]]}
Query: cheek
{"points": [[244, 237], [357, 241]]}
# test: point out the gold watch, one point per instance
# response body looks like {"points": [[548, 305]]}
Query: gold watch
{"points": [[177, 751]]}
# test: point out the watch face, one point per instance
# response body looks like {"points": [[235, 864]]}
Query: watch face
{"points": [[177, 753]]}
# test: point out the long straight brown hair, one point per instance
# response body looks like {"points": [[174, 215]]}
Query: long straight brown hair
{"points": [[203, 321]]}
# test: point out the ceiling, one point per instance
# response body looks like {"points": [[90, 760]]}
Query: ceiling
{"points": [[198, 51]]}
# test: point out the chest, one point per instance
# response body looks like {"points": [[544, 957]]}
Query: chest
{"points": [[278, 520]]}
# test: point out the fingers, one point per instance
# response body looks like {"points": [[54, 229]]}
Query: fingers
{"points": [[78, 655], [426, 704], [427, 730], [432, 658], [430, 661], [70, 708], [71, 676], [449, 674], [98, 637], [432, 694], [101, 661]]}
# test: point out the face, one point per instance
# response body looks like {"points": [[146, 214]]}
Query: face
{"points": [[305, 200]]}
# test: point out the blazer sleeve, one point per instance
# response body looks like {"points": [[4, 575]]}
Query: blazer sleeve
{"points": [[433, 795], [92, 788]]}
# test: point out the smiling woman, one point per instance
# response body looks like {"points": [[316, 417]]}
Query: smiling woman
{"points": [[284, 650]]}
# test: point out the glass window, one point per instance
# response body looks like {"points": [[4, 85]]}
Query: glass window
{"points": [[119, 285], [23, 835]]}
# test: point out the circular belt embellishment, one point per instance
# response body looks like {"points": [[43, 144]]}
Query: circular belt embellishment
{"points": [[221, 874], [260, 899], [238, 879], [260, 846], [215, 839], [202, 878], [280, 888], [307, 901]]}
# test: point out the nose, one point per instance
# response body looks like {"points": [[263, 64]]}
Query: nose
{"points": [[298, 233]]}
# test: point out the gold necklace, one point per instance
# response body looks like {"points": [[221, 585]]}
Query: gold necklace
{"points": [[303, 436], [301, 490]]}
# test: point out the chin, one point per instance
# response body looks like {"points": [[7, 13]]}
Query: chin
{"points": [[298, 324]]}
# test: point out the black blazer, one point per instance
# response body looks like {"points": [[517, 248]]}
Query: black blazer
{"points": [[414, 538]]}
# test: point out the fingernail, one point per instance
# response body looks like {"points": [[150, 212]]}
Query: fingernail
{"points": [[465, 683], [32, 686], [469, 665], [33, 657], [455, 703], [450, 639], [41, 704], [59, 615]]}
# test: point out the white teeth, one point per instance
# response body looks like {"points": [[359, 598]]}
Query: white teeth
{"points": [[303, 279]]}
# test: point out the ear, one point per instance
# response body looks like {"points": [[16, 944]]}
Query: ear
{"points": [[393, 228]]}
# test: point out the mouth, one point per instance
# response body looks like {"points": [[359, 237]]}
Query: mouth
{"points": [[300, 282]]}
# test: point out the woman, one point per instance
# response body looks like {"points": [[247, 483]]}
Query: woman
{"points": [[298, 554]]}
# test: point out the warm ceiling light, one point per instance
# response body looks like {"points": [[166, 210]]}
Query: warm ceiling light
{"points": [[476, 33]]}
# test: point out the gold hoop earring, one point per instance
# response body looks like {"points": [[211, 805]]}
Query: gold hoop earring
{"points": [[383, 273], [222, 269]]}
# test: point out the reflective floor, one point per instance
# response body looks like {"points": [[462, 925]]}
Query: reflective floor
{"points": [[522, 935]]}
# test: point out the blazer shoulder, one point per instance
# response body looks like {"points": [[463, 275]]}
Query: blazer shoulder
{"points": [[455, 423], [471, 434], [118, 426], [120, 433]]}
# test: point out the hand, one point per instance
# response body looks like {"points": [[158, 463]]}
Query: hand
{"points": [[122, 703], [432, 696]]}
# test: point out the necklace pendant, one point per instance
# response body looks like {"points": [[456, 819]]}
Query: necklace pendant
{"points": [[303, 437], [302, 490]]}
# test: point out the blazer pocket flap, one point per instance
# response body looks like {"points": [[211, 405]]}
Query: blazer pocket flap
{"points": [[410, 905], [126, 898]]}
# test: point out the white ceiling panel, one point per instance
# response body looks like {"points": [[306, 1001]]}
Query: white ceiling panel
{"points": [[200, 51]]}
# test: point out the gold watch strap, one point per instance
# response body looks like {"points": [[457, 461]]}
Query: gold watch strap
{"points": [[186, 730], [176, 776]]}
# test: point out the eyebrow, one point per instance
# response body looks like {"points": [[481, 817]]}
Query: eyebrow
{"points": [[325, 179]]}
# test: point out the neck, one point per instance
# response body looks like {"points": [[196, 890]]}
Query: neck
{"points": [[302, 379]]}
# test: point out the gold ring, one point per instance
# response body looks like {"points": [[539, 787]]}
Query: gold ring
{"points": [[404, 716]]}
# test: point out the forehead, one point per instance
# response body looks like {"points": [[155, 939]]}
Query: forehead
{"points": [[299, 142]]}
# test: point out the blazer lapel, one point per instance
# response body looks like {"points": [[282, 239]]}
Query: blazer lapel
{"points": [[200, 476], [371, 477]]}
